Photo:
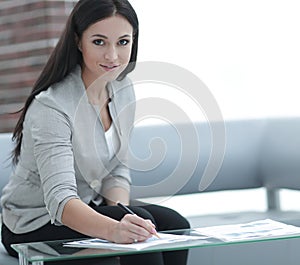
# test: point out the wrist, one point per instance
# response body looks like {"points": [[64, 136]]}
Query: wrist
{"points": [[111, 230]]}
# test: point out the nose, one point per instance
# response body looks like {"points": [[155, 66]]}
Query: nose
{"points": [[111, 53]]}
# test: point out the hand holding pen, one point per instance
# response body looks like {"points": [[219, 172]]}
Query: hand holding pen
{"points": [[129, 211]]}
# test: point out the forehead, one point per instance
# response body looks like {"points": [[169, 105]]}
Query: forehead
{"points": [[113, 26]]}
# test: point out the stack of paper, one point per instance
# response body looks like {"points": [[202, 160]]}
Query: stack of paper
{"points": [[153, 241], [254, 230], [261, 229]]}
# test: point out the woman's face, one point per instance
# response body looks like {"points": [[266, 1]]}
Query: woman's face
{"points": [[106, 49]]}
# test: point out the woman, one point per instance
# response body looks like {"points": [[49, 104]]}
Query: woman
{"points": [[72, 139]]}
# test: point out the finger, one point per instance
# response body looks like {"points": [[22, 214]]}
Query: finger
{"points": [[145, 223], [128, 234], [139, 230], [150, 223], [137, 238], [139, 226]]}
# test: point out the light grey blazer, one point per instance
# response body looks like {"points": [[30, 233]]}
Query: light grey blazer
{"points": [[64, 153]]}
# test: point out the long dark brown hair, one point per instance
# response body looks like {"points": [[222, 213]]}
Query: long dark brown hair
{"points": [[66, 55]]}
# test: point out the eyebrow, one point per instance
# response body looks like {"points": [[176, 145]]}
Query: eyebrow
{"points": [[105, 37]]}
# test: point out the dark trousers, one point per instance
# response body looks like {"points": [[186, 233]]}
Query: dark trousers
{"points": [[163, 218]]}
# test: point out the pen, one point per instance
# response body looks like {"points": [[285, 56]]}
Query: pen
{"points": [[127, 210]]}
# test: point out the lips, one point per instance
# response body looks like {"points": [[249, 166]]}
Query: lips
{"points": [[109, 67]]}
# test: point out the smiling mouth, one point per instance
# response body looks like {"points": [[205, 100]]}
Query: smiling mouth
{"points": [[109, 67]]}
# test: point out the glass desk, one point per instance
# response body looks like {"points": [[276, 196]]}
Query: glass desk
{"points": [[49, 251]]}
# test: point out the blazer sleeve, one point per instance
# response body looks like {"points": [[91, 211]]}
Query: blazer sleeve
{"points": [[51, 135]]}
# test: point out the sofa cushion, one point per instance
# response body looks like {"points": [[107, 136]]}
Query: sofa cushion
{"points": [[182, 152]]}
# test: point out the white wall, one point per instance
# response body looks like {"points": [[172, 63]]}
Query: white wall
{"points": [[246, 52]]}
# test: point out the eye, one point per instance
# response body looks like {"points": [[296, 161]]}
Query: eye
{"points": [[99, 42], [123, 42]]}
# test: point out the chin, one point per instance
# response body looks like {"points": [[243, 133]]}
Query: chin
{"points": [[111, 76]]}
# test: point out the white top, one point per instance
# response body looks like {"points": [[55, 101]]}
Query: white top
{"points": [[112, 141]]}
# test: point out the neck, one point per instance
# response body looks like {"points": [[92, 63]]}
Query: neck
{"points": [[96, 91]]}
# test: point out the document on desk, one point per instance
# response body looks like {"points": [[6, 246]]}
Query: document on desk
{"points": [[266, 228], [153, 241]]}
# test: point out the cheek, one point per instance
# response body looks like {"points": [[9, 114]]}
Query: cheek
{"points": [[89, 55], [126, 53]]}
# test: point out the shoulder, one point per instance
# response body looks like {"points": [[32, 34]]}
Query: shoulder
{"points": [[44, 118], [64, 94]]}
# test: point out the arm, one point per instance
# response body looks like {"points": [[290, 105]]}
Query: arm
{"points": [[82, 218], [116, 186], [116, 194]]}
